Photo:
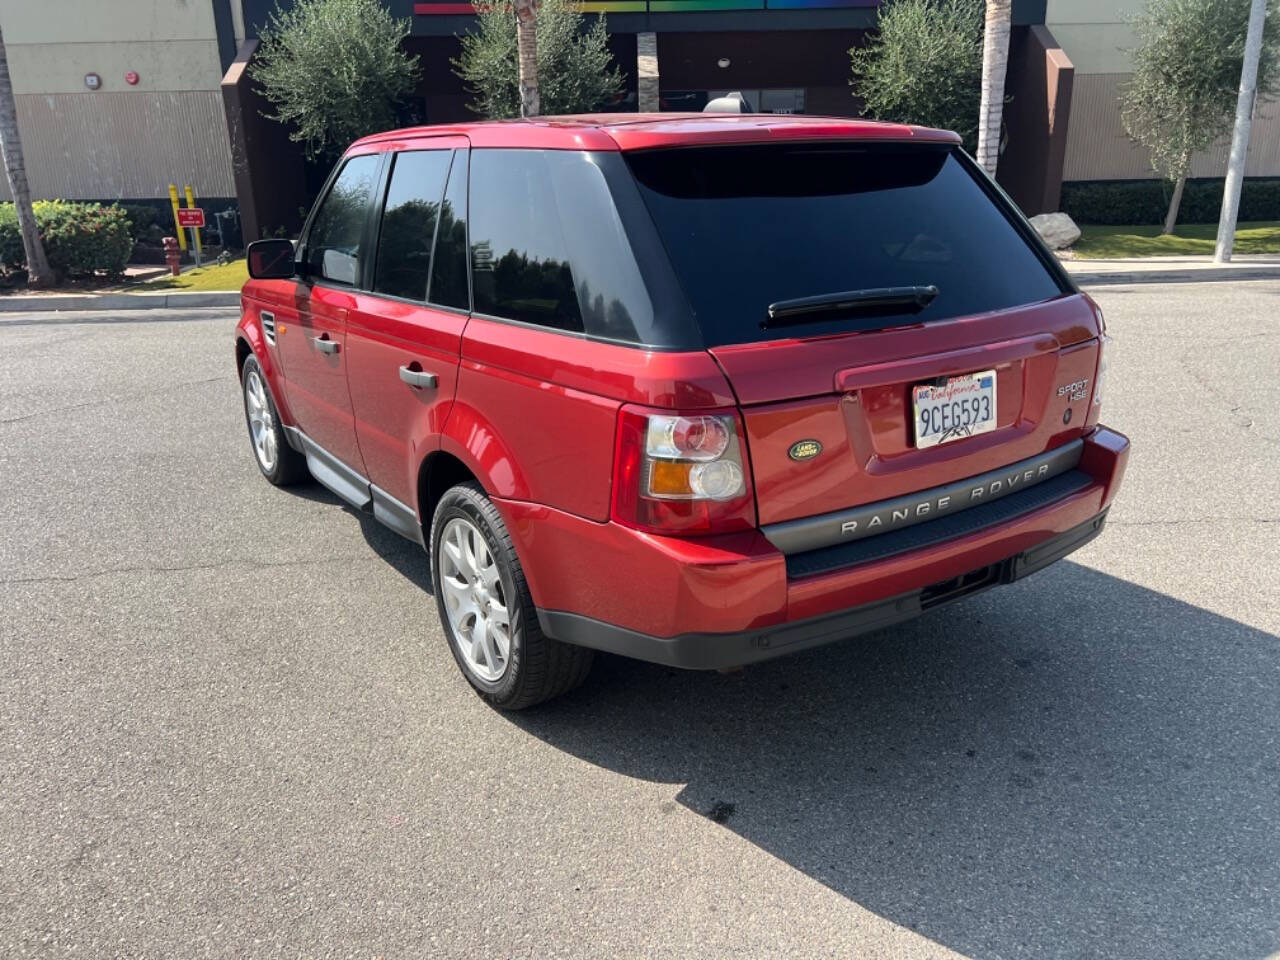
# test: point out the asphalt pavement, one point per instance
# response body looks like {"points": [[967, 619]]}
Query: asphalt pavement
{"points": [[230, 726]]}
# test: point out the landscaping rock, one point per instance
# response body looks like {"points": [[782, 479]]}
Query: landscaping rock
{"points": [[1056, 229]]}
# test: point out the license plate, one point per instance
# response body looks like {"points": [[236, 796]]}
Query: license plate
{"points": [[963, 406]]}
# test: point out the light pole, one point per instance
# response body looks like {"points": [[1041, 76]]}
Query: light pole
{"points": [[1240, 139]]}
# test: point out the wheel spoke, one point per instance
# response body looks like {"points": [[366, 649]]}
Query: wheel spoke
{"points": [[469, 548], [453, 554], [480, 645], [457, 589], [501, 635], [498, 614], [483, 560], [467, 559]]}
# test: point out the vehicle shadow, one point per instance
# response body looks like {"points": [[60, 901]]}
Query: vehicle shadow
{"points": [[404, 556], [1073, 766]]}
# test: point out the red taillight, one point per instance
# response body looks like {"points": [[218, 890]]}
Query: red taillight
{"points": [[681, 473]]}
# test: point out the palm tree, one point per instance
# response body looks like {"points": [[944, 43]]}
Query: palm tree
{"points": [[527, 54], [995, 62], [38, 272]]}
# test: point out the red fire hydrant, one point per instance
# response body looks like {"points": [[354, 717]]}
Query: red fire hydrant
{"points": [[172, 255]]}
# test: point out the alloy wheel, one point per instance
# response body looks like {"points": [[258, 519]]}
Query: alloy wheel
{"points": [[261, 422], [474, 599]]}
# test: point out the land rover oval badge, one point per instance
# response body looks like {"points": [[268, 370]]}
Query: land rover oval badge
{"points": [[804, 450]]}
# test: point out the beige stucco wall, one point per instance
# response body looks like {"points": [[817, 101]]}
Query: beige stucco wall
{"points": [[1097, 38], [119, 141]]}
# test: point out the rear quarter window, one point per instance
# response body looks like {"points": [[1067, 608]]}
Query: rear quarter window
{"points": [[749, 226], [549, 247]]}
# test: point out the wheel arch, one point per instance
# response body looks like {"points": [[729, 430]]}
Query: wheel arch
{"points": [[243, 352], [251, 343], [439, 471]]}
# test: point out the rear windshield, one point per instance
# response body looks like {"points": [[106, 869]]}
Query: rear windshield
{"points": [[746, 227]]}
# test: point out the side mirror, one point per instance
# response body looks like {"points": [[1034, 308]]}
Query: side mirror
{"points": [[271, 260]]}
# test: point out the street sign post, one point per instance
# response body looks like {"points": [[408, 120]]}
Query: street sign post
{"points": [[192, 218], [173, 201], [195, 234]]}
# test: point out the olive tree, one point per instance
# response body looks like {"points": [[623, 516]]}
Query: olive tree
{"points": [[1186, 75], [334, 70], [924, 65], [574, 69]]}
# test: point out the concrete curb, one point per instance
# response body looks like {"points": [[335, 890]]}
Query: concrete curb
{"points": [[122, 301], [1088, 278]]}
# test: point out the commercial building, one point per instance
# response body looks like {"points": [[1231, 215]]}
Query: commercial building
{"points": [[1096, 35], [120, 99]]}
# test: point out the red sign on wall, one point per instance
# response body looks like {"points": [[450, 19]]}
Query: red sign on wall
{"points": [[190, 217]]}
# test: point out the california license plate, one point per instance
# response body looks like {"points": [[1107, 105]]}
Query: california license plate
{"points": [[963, 406]]}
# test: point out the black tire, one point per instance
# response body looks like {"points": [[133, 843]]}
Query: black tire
{"points": [[538, 667], [289, 466]]}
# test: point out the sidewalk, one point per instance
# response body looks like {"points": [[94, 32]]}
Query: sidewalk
{"points": [[1256, 266], [172, 300], [1084, 272]]}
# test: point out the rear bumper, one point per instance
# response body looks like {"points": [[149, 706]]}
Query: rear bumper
{"points": [[710, 651], [728, 600]]}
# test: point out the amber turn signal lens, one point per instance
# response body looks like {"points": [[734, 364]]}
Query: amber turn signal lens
{"points": [[667, 479]]}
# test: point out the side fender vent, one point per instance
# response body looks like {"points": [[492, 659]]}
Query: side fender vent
{"points": [[269, 327]]}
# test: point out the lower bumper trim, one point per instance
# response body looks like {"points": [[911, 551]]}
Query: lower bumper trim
{"points": [[710, 651]]}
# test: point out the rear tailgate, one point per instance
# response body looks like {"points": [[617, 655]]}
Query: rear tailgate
{"points": [[853, 395], [832, 279]]}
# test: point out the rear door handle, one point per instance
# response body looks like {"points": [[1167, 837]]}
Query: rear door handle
{"points": [[418, 378], [324, 344]]}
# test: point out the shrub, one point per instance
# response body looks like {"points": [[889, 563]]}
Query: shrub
{"points": [[334, 70], [576, 73], [924, 65], [81, 239], [1144, 202]]}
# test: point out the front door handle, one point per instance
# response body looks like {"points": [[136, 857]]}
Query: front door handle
{"points": [[418, 378], [324, 344]]}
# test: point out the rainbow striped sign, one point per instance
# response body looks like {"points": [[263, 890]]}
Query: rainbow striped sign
{"points": [[664, 6]]}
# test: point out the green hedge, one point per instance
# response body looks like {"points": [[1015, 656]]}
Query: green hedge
{"points": [[1142, 202], [79, 238]]}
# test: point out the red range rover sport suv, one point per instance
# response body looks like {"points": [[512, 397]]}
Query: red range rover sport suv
{"points": [[701, 390]]}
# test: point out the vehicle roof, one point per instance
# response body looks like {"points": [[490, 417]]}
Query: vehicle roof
{"points": [[638, 131]]}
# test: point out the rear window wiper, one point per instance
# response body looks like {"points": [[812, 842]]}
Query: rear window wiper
{"points": [[876, 301]]}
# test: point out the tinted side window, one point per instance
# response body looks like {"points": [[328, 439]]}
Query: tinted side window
{"points": [[449, 269], [519, 262], [337, 232], [409, 223]]}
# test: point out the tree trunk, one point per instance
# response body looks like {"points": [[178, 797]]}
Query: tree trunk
{"points": [[527, 56], [995, 63], [1171, 218], [38, 272]]}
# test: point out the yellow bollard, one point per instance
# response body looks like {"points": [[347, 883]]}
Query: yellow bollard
{"points": [[191, 202], [173, 199]]}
